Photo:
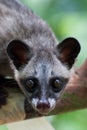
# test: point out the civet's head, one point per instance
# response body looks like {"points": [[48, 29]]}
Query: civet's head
{"points": [[42, 73]]}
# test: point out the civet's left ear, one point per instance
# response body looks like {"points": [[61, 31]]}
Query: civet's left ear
{"points": [[68, 50], [19, 52]]}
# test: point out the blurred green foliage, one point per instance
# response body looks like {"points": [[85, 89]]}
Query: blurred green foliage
{"points": [[67, 18], [70, 121]]}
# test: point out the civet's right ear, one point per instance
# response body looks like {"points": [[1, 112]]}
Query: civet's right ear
{"points": [[68, 50], [19, 53]]}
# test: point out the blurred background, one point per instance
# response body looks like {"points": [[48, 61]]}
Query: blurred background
{"points": [[67, 18]]}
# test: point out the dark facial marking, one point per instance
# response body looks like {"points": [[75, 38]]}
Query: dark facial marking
{"points": [[30, 84], [3, 92], [58, 83], [29, 110]]}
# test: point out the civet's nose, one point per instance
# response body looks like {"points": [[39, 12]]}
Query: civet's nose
{"points": [[43, 105]]}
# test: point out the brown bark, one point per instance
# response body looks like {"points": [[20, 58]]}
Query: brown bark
{"points": [[75, 95]]}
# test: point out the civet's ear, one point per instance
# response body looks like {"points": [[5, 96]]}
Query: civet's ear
{"points": [[68, 50], [19, 53]]}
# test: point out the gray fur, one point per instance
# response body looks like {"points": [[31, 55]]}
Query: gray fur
{"points": [[24, 25], [18, 22]]}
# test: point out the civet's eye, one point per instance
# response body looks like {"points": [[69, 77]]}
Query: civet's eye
{"points": [[56, 84], [30, 85]]}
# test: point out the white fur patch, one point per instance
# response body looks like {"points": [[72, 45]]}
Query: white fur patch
{"points": [[52, 102], [35, 101]]}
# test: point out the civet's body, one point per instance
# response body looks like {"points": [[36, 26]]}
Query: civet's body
{"points": [[30, 53]]}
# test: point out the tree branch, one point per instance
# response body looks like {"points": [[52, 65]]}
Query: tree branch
{"points": [[74, 97]]}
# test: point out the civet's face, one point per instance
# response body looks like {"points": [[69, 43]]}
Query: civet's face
{"points": [[42, 75]]}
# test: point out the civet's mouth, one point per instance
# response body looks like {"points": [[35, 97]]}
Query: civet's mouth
{"points": [[43, 106]]}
